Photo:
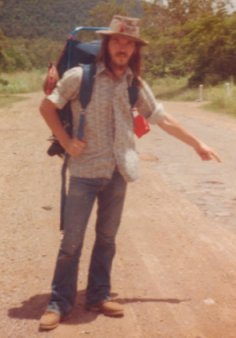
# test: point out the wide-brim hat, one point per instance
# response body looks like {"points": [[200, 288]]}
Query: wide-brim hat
{"points": [[124, 26]]}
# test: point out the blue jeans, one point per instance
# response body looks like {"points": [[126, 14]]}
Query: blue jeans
{"points": [[82, 194]]}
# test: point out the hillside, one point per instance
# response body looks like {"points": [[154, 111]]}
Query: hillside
{"points": [[187, 39], [52, 19]]}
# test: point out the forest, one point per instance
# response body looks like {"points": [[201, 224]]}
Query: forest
{"points": [[195, 39]]}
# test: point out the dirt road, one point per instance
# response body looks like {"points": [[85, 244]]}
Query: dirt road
{"points": [[175, 269]]}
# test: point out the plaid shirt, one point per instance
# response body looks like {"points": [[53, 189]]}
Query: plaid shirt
{"points": [[109, 137]]}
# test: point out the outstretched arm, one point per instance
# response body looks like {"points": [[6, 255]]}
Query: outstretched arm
{"points": [[172, 127]]}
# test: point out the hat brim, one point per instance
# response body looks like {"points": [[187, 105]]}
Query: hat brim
{"points": [[109, 33]]}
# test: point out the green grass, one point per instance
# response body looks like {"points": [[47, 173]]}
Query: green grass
{"points": [[174, 89], [21, 82], [219, 98], [13, 84]]}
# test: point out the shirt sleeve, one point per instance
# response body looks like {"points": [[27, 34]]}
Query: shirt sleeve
{"points": [[67, 88], [148, 106]]}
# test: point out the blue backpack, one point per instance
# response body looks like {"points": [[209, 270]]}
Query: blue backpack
{"points": [[84, 54]]}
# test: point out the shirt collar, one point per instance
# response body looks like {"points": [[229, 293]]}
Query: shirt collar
{"points": [[101, 68]]}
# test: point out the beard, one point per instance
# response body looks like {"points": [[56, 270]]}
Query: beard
{"points": [[120, 60]]}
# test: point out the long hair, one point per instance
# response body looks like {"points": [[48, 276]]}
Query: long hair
{"points": [[135, 61]]}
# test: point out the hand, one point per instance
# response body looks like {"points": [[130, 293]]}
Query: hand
{"points": [[206, 153], [75, 147]]}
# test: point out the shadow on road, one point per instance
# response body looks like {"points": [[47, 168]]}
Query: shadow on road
{"points": [[34, 307], [158, 300]]}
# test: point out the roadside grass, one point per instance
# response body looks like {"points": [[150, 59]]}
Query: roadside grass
{"points": [[174, 89], [21, 82], [220, 98], [13, 84]]}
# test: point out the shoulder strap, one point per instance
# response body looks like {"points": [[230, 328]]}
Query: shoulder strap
{"points": [[86, 89], [133, 91]]}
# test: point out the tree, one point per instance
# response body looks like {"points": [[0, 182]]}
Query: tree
{"points": [[177, 12], [189, 37], [211, 42], [102, 13]]}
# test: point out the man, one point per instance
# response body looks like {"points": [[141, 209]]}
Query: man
{"points": [[102, 164]]}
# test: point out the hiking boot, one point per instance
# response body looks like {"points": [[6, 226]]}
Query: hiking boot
{"points": [[108, 308], [49, 320]]}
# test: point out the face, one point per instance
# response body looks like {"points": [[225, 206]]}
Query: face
{"points": [[120, 50]]}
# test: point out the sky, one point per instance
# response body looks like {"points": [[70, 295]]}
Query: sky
{"points": [[233, 2], [231, 8]]}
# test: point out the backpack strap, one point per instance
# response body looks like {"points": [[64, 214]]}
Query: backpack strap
{"points": [[86, 89], [133, 91], [63, 193]]}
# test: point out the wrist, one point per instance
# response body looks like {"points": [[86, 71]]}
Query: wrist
{"points": [[64, 141], [196, 144]]}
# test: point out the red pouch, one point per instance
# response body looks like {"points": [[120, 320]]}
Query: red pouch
{"points": [[51, 79], [141, 125]]}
